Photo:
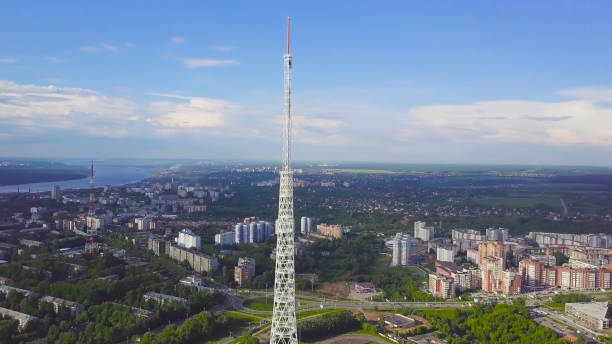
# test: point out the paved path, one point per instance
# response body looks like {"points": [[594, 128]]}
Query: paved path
{"points": [[353, 339]]}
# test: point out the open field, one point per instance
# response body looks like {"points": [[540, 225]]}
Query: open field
{"points": [[543, 202], [364, 171], [260, 304]]}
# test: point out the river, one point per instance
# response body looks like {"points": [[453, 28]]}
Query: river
{"points": [[104, 175]]}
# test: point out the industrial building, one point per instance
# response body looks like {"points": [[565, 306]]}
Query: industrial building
{"points": [[596, 315]]}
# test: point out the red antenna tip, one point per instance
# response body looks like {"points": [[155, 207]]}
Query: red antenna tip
{"points": [[288, 31]]}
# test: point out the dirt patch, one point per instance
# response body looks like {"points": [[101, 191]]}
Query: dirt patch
{"points": [[338, 289]]}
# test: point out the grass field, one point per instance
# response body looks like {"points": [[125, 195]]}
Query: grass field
{"points": [[363, 171], [547, 202], [259, 304]]}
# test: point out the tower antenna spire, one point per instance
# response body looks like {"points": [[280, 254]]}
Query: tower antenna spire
{"points": [[288, 33], [284, 325]]}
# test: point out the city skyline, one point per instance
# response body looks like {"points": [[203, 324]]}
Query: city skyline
{"points": [[516, 83]]}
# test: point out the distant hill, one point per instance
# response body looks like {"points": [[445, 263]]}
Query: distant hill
{"points": [[24, 172]]}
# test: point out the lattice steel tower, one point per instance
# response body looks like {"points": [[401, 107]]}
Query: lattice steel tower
{"points": [[284, 325]]}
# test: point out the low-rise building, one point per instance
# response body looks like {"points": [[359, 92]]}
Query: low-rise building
{"points": [[364, 287], [199, 262], [22, 318], [163, 298], [5, 289], [334, 231], [596, 315], [75, 308]]}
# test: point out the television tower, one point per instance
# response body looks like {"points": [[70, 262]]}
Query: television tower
{"points": [[92, 208], [284, 325]]}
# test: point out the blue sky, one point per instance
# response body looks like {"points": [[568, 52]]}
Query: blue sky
{"points": [[406, 81]]}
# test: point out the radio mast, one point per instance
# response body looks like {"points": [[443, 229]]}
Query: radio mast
{"points": [[284, 325]]}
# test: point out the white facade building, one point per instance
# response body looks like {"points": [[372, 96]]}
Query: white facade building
{"points": [[306, 225], [422, 231], [446, 253], [497, 234], [143, 223], [401, 249], [188, 239]]}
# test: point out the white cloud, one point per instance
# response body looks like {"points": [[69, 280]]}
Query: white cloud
{"points": [[8, 60], [223, 48], [197, 113], [130, 45], [177, 40], [583, 120], [54, 59], [197, 63], [98, 47], [38, 107], [109, 47], [88, 49]]}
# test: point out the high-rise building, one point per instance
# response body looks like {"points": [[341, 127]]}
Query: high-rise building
{"points": [[492, 249], [441, 286], [306, 225], [225, 239], [401, 249], [446, 253], [510, 282], [188, 239], [422, 231], [56, 193], [252, 232], [143, 223], [284, 324], [491, 269], [497, 234], [244, 271]]}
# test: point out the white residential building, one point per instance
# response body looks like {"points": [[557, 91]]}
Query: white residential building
{"points": [[423, 232], [401, 249], [188, 239], [306, 225], [446, 253]]}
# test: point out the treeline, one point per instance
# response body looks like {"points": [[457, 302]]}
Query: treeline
{"points": [[337, 260], [488, 324], [399, 285], [328, 325], [201, 326]]}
